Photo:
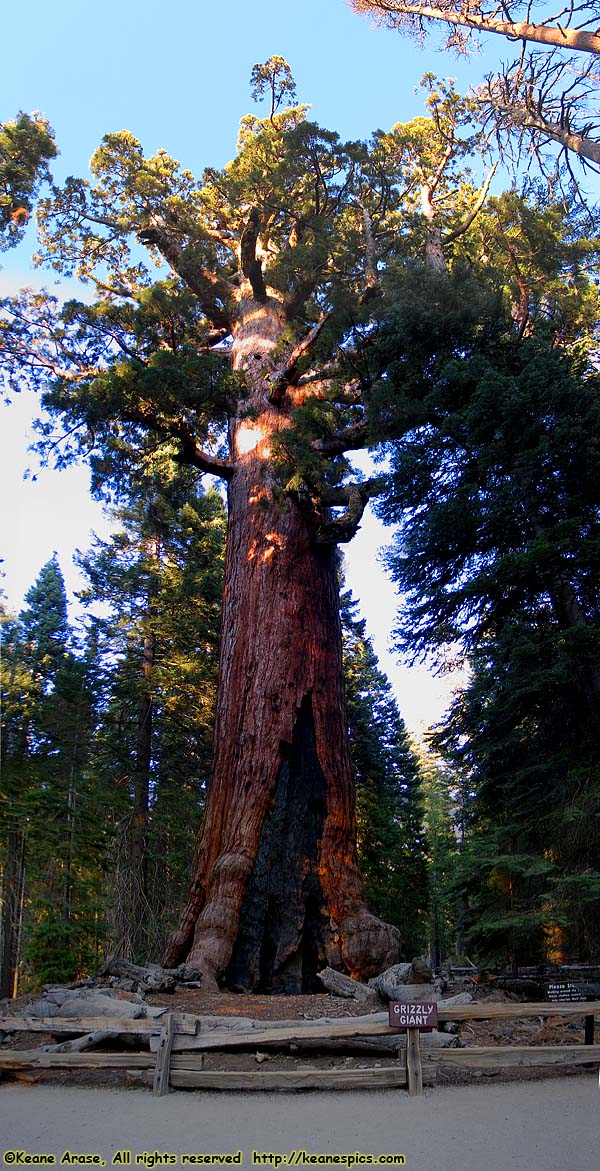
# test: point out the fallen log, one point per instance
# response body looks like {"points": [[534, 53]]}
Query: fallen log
{"points": [[151, 978], [79, 1044], [390, 984], [229, 1033], [84, 1004], [341, 985]]}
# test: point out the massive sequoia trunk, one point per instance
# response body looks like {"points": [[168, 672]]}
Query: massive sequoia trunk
{"points": [[277, 891]]}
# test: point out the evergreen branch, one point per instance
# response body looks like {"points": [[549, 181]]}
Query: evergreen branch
{"points": [[199, 279], [194, 455], [191, 452], [352, 438]]}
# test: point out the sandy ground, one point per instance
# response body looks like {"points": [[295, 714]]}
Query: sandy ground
{"points": [[549, 1125]]}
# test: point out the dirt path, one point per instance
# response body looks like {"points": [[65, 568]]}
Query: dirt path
{"points": [[549, 1125]]}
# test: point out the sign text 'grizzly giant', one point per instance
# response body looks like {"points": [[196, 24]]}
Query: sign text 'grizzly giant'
{"points": [[412, 1015]]}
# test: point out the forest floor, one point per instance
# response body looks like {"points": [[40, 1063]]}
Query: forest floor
{"points": [[519, 1031]]}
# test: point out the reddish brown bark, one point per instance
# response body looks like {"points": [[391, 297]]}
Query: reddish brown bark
{"points": [[277, 890]]}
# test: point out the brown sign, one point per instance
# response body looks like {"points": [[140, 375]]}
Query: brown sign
{"points": [[412, 1015]]}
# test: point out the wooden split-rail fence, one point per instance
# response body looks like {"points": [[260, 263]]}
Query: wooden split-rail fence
{"points": [[179, 1042]]}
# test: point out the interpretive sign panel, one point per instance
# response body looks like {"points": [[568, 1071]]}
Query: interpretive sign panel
{"points": [[565, 993], [412, 1015]]}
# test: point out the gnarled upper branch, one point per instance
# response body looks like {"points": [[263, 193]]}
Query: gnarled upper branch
{"points": [[214, 292], [471, 15]]}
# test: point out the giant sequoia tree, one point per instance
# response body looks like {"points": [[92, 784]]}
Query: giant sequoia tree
{"points": [[250, 362]]}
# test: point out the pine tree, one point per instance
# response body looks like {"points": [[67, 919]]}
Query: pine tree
{"points": [[160, 574], [26, 145], [391, 839], [494, 486], [54, 841]]}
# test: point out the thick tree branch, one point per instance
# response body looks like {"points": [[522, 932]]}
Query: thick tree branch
{"points": [[317, 502], [296, 300], [191, 452], [348, 361], [251, 267], [477, 206], [214, 292], [341, 529], [586, 148], [352, 438], [470, 16], [371, 278], [287, 374], [214, 336]]}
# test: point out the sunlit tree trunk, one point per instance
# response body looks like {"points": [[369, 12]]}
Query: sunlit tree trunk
{"points": [[277, 891]]}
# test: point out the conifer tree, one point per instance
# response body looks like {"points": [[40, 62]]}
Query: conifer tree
{"points": [[26, 146], [160, 575], [19, 695], [391, 839], [54, 840], [495, 491]]}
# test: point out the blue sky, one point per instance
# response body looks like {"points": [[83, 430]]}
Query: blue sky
{"points": [[177, 76]]}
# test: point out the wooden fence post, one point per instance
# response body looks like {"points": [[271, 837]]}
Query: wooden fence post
{"points": [[162, 1068], [414, 1068]]}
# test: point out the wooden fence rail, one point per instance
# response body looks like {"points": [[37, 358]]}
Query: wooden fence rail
{"points": [[179, 1041]]}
